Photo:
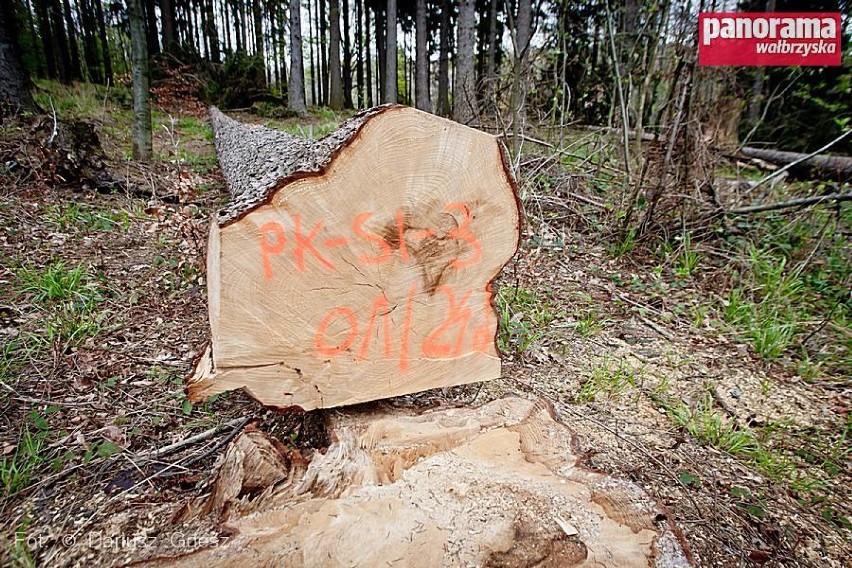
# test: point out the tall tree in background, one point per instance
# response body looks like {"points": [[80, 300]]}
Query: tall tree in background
{"points": [[390, 56], [167, 12], [523, 33], [106, 56], [296, 84], [464, 93], [75, 70], [257, 15], [347, 58], [14, 83], [335, 98], [444, 60], [212, 31], [421, 78], [141, 130], [60, 41]]}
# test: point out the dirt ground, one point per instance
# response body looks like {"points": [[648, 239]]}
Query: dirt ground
{"points": [[99, 389]]}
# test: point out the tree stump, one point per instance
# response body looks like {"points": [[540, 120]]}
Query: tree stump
{"points": [[498, 485], [358, 266]]}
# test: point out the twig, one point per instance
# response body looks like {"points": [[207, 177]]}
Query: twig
{"points": [[206, 435], [55, 126], [802, 202]]}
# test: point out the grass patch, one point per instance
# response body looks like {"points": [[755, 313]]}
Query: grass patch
{"points": [[524, 317], [608, 378], [76, 216]]}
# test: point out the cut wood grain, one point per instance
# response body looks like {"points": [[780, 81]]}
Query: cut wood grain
{"points": [[358, 266], [498, 485]]}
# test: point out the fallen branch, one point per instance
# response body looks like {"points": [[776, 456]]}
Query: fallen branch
{"points": [[206, 435], [835, 166], [802, 202]]}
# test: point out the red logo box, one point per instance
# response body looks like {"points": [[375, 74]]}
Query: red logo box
{"points": [[769, 38]]}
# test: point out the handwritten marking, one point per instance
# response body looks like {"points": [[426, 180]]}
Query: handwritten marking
{"points": [[387, 250], [267, 248], [305, 243], [457, 315], [319, 337], [335, 242], [461, 233]]}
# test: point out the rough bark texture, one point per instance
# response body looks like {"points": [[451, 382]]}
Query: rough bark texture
{"points": [[499, 485], [421, 79], [391, 87], [255, 159], [335, 97], [141, 128], [444, 61], [14, 83], [296, 83], [824, 165], [358, 266], [464, 93]]}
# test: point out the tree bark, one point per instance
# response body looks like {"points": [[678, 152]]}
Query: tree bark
{"points": [[323, 26], [257, 14], [823, 165], [422, 99], [296, 84], [167, 10], [212, 32], [335, 98], [150, 19], [76, 69], [141, 129], [338, 228], [105, 52], [444, 60], [464, 93], [347, 58], [359, 48], [367, 57], [14, 83], [391, 94]]}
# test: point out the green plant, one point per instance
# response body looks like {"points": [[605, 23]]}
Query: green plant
{"points": [[608, 378], [623, 245], [55, 282], [687, 258], [523, 318]]}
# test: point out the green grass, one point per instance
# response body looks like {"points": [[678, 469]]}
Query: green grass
{"points": [[524, 318], [686, 260], [66, 300], [77, 216], [608, 378], [17, 470]]}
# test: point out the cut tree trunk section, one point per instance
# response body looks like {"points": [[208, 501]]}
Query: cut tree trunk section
{"points": [[498, 485], [358, 266]]}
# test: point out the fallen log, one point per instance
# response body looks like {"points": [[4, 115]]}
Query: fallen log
{"points": [[820, 165], [358, 266], [498, 485]]}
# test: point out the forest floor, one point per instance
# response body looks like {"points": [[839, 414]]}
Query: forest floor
{"points": [[103, 311]]}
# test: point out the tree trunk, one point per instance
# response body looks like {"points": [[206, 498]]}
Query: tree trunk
{"points": [[336, 275], [359, 48], [60, 41], [14, 83], [347, 58], [444, 61], [391, 94], [167, 11], [76, 69], [257, 14], [212, 32], [46, 35], [464, 92], [381, 51], [523, 31], [90, 48], [141, 130], [314, 98], [820, 166], [421, 79], [296, 84], [150, 19], [335, 99], [323, 26], [367, 56], [105, 52]]}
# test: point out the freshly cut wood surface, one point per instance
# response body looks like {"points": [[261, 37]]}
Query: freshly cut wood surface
{"points": [[497, 485], [356, 267]]}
